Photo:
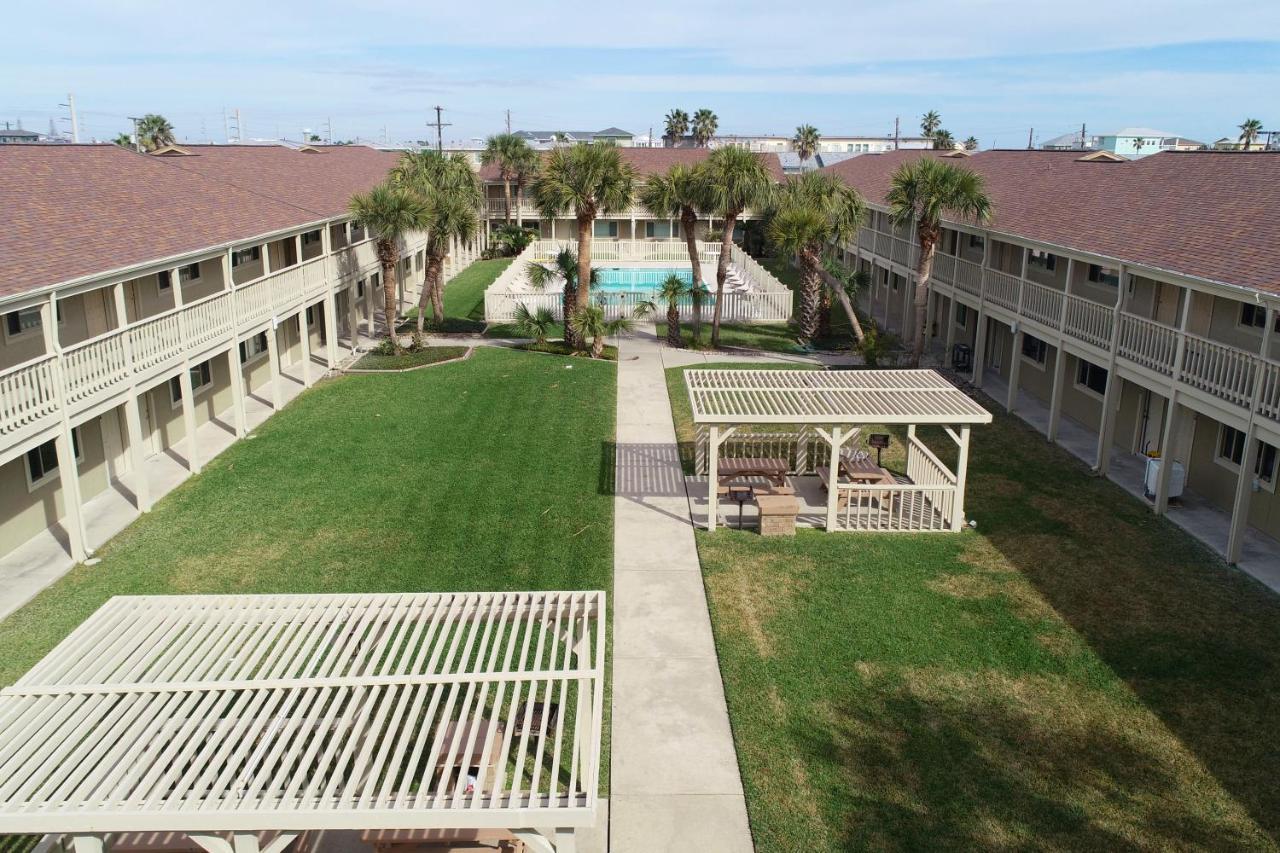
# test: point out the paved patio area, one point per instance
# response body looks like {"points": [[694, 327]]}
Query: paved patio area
{"points": [[1203, 520]]}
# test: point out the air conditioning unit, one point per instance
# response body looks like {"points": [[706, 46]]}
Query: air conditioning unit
{"points": [[1177, 477]]}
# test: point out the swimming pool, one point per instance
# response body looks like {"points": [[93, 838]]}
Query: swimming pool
{"points": [[624, 279]]}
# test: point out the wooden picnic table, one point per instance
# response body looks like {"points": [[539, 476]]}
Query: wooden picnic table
{"points": [[773, 469], [860, 472]]}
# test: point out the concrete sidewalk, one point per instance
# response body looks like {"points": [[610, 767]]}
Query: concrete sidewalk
{"points": [[675, 783]]}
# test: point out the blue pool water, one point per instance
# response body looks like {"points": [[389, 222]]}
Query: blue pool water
{"points": [[623, 279]]}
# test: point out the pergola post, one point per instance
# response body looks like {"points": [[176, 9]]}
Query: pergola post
{"points": [[962, 472], [836, 438], [88, 843], [242, 842]]}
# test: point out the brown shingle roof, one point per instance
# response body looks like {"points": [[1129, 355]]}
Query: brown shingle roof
{"points": [[77, 210], [652, 161], [321, 181], [1208, 215]]}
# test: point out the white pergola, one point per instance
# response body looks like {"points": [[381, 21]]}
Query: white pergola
{"points": [[831, 402], [227, 716]]}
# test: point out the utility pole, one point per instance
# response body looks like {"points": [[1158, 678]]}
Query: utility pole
{"points": [[508, 119], [75, 123], [1084, 140], [137, 140], [440, 125], [1030, 134], [896, 119], [328, 131]]}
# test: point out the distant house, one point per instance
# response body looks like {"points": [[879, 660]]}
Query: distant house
{"points": [[1135, 142], [548, 138], [1070, 142], [1232, 143], [846, 144], [9, 136]]}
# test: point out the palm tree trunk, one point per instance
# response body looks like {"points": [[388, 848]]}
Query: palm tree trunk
{"points": [[389, 296], [435, 270], [920, 298], [506, 190], [689, 225], [597, 346], [722, 272], [810, 295], [425, 295], [673, 325], [833, 284], [583, 296]]}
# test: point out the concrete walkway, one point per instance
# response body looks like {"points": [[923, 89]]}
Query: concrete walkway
{"points": [[675, 783]]}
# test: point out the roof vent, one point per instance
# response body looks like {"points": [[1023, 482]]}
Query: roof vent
{"points": [[1102, 157]]}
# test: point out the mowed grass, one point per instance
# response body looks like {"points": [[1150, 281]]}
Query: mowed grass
{"points": [[464, 296], [1077, 674], [407, 360], [478, 475]]}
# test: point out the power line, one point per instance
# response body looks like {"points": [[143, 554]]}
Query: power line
{"points": [[440, 125]]}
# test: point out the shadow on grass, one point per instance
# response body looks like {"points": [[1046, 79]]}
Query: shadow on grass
{"points": [[1196, 641], [936, 760]]}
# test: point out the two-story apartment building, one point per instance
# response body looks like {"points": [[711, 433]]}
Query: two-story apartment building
{"points": [[152, 307], [1127, 308], [634, 223]]}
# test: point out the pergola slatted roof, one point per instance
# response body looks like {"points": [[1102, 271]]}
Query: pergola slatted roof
{"points": [[184, 713], [829, 397]]}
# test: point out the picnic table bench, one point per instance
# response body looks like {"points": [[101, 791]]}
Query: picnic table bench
{"points": [[732, 468]]}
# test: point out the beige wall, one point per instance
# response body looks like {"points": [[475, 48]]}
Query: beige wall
{"points": [[25, 513], [1216, 482], [1080, 404]]}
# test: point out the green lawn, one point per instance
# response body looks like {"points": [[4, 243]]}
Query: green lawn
{"points": [[483, 474], [1078, 674], [464, 296]]}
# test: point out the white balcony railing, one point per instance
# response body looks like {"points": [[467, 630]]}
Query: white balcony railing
{"points": [[1221, 370]]}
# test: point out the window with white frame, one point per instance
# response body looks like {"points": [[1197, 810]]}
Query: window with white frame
{"points": [[1230, 445], [42, 461], [201, 381], [1230, 454], [22, 322], [310, 238], [1255, 316], [254, 348], [1108, 276], [606, 228], [657, 230], [1037, 259], [246, 256], [189, 272], [1265, 468], [360, 289], [962, 316], [1090, 377], [1034, 350]]}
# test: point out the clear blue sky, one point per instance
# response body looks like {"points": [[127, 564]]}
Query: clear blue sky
{"points": [[992, 68]]}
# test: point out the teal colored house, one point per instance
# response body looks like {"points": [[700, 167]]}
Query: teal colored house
{"points": [[1135, 142]]}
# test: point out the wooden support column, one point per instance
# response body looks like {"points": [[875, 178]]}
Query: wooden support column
{"points": [[72, 504], [1243, 496], [238, 395], [1055, 395], [88, 844], [1111, 399], [133, 421], [713, 476], [1172, 421], [962, 475], [305, 330], [836, 439], [951, 326], [1015, 368], [184, 378], [368, 302], [979, 348], [273, 356]]}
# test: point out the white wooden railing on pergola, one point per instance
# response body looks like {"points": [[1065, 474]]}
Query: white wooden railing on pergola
{"points": [[831, 404], [232, 715]]}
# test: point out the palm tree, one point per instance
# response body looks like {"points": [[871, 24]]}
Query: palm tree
{"points": [[154, 131], [124, 140], [589, 323], [971, 144], [1249, 130], [736, 180], [943, 140], [389, 212], [591, 180], [846, 284], [534, 324], [922, 192], [806, 142], [929, 123], [678, 194], [450, 193], [813, 210], [677, 126], [504, 150], [671, 291], [524, 166], [705, 125], [565, 267], [698, 296]]}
